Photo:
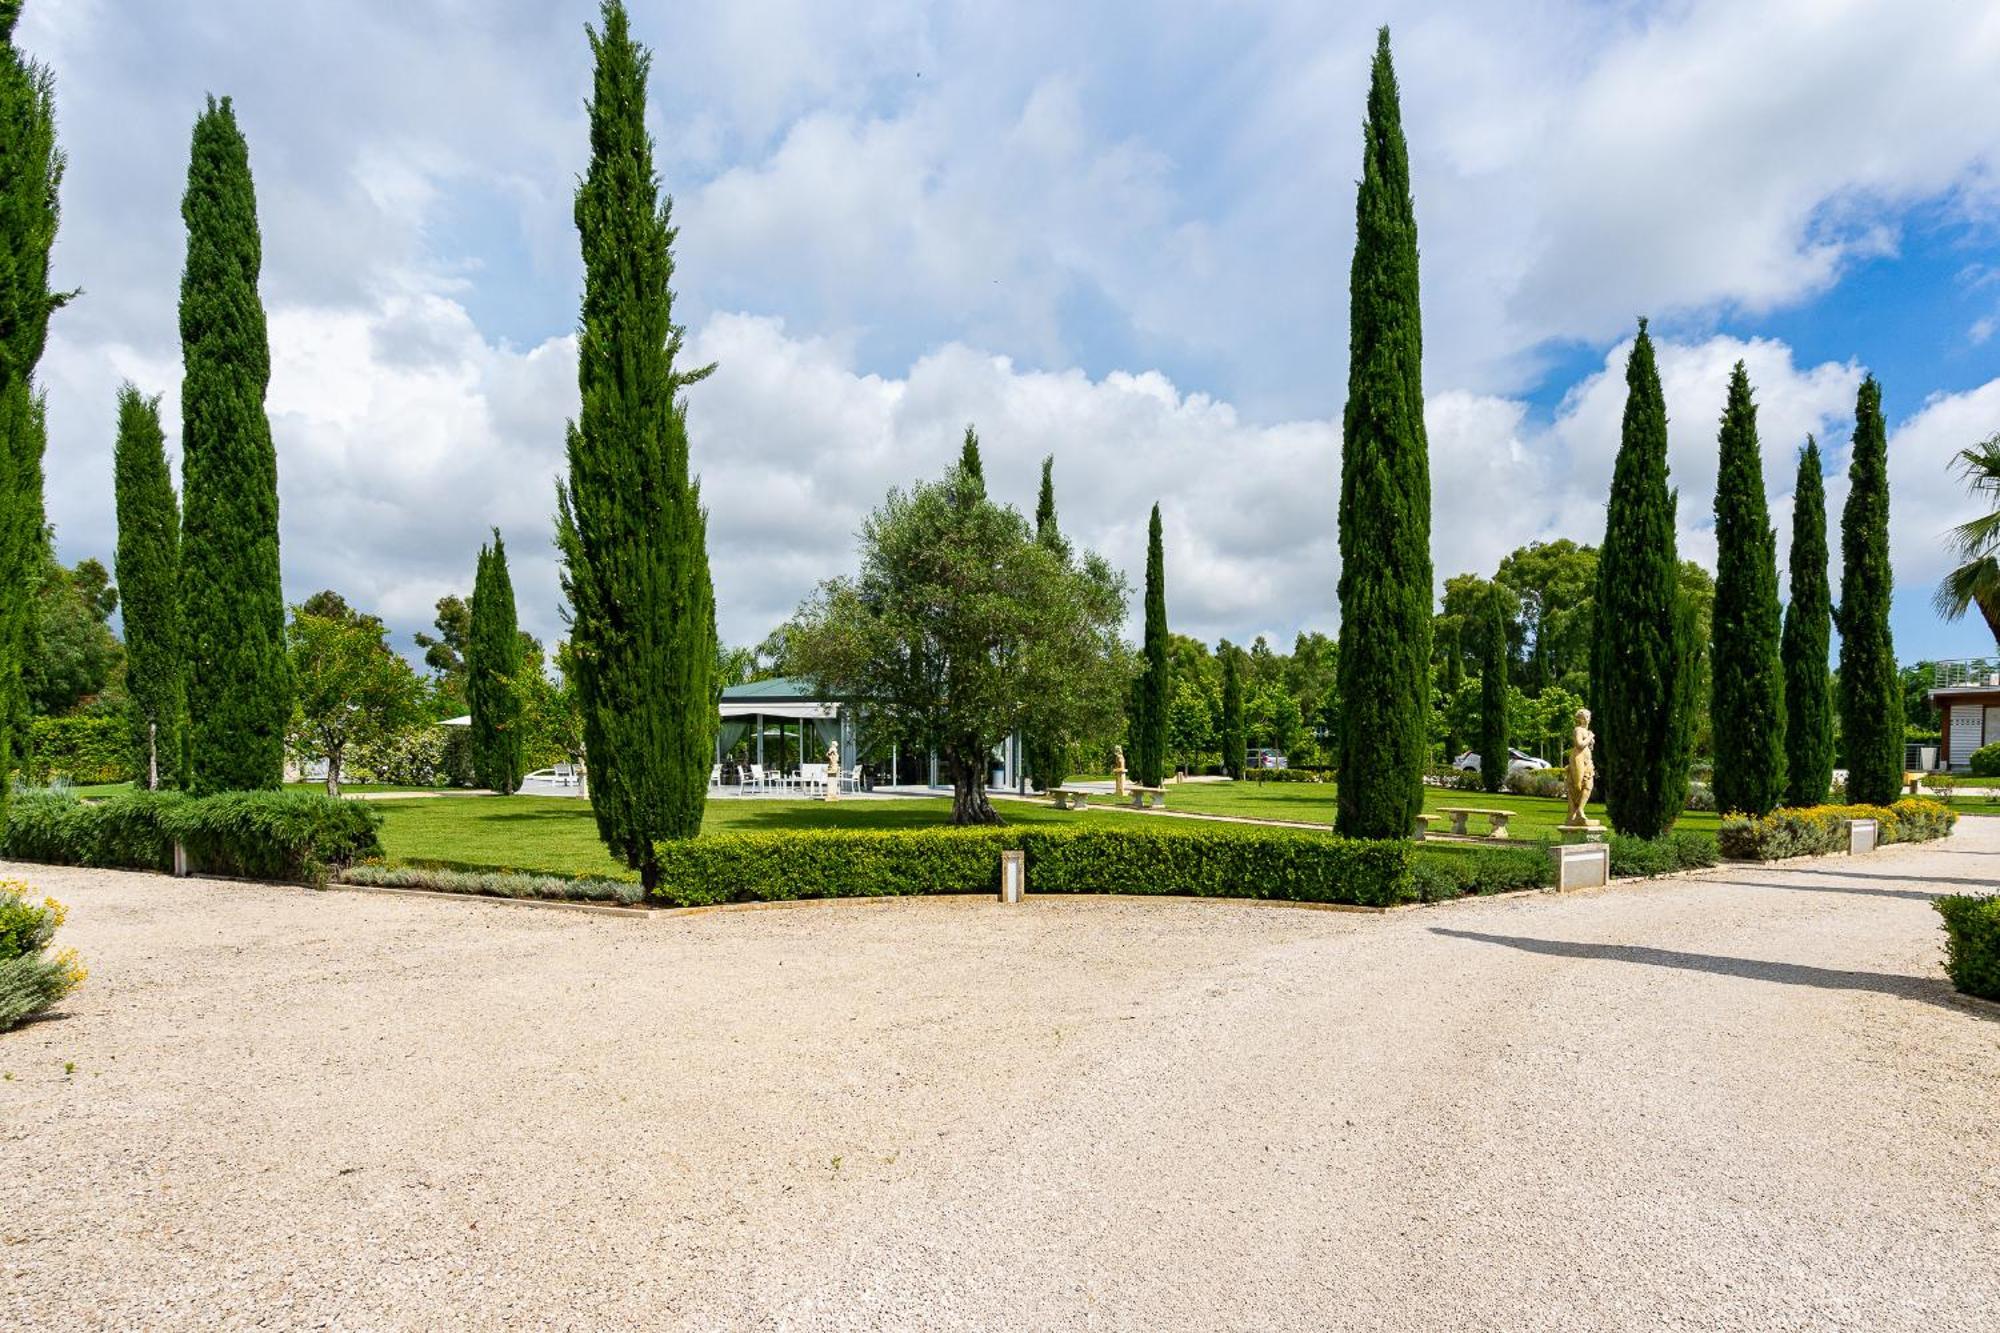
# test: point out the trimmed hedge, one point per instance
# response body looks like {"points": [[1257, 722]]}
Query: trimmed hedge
{"points": [[297, 836], [1972, 942], [1819, 830], [1665, 855], [1440, 878], [80, 750], [1262, 863]]}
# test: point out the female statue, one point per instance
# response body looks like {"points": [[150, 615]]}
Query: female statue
{"points": [[1580, 774]]}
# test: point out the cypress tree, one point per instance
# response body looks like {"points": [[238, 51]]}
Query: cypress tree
{"points": [[239, 687], [1234, 748], [1871, 697], [1149, 730], [492, 674], [148, 561], [1047, 755], [1748, 675], [1494, 759], [31, 169], [1644, 651], [1808, 641], [1454, 681], [630, 524], [971, 470], [1385, 495], [1046, 530]]}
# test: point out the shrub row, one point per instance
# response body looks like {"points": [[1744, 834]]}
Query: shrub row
{"points": [[1972, 942], [1665, 855], [494, 883], [282, 835], [1284, 775], [1439, 878], [1817, 830], [1261, 863]]}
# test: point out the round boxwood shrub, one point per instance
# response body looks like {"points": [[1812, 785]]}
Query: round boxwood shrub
{"points": [[1985, 761]]}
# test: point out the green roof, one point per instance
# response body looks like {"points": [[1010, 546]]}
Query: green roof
{"points": [[777, 688]]}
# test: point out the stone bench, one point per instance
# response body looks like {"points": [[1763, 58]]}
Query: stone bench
{"points": [[1144, 796], [1496, 820], [1424, 826], [1072, 798]]}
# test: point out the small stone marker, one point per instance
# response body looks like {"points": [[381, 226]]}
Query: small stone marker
{"points": [[1013, 876], [1581, 865], [1862, 835], [181, 867]]}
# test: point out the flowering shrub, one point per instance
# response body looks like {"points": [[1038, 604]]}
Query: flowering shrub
{"points": [[1535, 782], [1819, 829], [30, 979]]}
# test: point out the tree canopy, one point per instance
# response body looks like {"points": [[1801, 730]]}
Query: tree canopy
{"points": [[962, 629]]}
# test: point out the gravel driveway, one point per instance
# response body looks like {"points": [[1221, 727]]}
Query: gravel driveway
{"points": [[1741, 1101]]}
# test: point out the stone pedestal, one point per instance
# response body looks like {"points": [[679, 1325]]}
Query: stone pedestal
{"points": [[1581, 866], [1013, 876], [1588, 831]]}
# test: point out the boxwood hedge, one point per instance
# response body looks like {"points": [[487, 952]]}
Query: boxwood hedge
{"points": [[284, 835], [823, 863]]}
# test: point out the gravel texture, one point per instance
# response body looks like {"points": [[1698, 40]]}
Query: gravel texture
{"points": [[1744, 1100]]}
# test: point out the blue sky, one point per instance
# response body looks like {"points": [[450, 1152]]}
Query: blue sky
{"points": [[1117, 233]]}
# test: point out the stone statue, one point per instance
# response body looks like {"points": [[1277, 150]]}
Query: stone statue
{"points": [[1580, 773], [833, 771], [1118, 770]]}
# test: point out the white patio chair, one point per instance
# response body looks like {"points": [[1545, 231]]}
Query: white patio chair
{"points": [[756, 780], [714, 777], [812, 778], [851, 779]]}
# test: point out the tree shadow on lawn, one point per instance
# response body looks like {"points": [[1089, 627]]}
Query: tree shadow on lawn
{"points": [[1929, 990]]}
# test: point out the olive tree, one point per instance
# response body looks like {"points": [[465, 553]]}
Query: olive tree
{"points": [[961, 629]]}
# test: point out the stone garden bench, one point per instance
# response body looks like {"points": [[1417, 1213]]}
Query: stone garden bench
{"points": [[1072, 798], [1496, 820]]}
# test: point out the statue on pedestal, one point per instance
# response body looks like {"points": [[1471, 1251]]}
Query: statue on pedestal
{"points": [[833, 771], [1580, 773]]}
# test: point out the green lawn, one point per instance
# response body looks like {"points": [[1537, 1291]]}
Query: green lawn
{"points": [[1310, 802], [557, 835]]}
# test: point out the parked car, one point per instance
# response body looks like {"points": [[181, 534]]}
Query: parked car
{"points": [[1263, 758], [1518, 761]]}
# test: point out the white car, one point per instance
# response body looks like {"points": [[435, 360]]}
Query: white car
{"points": [[1519, 761]]}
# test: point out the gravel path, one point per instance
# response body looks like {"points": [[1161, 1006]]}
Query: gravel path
{"points": [[1745, 1101]]}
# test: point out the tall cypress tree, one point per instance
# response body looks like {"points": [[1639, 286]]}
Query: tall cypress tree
{"points": [[630, 523], [1149, 730], [1871, 697], [1495, 761], [1385, 495], [149, 547], [1643, 654], [1808, 641], [1233, 737], [1047, 754], [31, 169], [493, 674], [1748, 675], [239, 685]]}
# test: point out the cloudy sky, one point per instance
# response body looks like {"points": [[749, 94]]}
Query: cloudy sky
{"points": [[1118, 233]]}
